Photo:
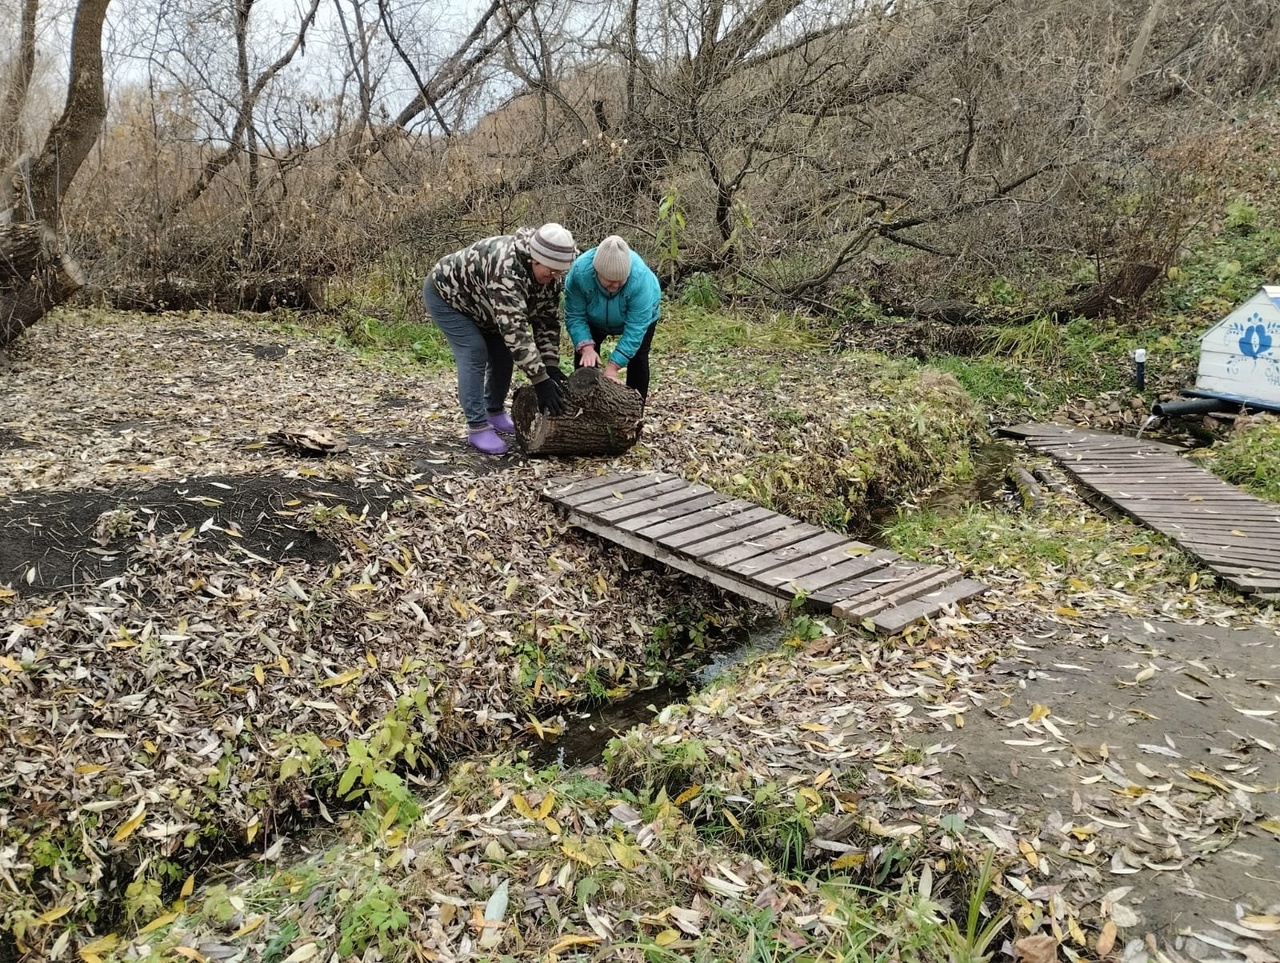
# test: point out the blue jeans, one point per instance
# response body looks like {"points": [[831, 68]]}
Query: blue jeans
{"points": [[483, 359]]}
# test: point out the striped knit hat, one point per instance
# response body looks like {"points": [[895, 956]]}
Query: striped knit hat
{"points": [[553, 246]]}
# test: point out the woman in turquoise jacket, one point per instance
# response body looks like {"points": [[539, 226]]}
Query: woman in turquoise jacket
{"points": [[610, 291]]}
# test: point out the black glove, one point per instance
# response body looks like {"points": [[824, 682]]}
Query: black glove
{"points": [[550, 397], [556, 375]]}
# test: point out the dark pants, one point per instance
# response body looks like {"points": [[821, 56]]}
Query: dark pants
{"points": [[637, 369]]}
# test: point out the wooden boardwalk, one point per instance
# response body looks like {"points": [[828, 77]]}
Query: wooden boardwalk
{"points": [[758, 553], [1233, 533]]}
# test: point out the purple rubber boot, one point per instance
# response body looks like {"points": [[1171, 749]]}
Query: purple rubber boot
{"points": [[487, 441], [501, 421]]}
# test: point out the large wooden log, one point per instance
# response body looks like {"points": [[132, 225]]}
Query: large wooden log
{"points": [[301, 293], [35, 276], [603, 417]]}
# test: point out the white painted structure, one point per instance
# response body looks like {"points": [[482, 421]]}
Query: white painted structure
{"points": [[1240, 355]]}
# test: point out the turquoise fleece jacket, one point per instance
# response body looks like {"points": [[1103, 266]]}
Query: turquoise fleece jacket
{"points": [[628, 312]]}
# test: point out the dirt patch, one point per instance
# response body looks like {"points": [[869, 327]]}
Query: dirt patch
{"points": [[1153, 743], [55, 541]]}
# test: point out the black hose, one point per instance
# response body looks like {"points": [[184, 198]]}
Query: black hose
{"points": [[1191, 406]]}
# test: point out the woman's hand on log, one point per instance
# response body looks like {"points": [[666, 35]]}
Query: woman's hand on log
{"points": [[589, 357], [613, 372]]}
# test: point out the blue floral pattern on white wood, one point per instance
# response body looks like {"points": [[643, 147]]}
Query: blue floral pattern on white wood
{"points": [[1257, 341]]}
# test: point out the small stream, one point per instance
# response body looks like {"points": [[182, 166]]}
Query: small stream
{"points": [[587, 733]]}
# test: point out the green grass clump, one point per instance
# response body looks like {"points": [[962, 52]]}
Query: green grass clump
{"points": [[1249, 457], [1083, 548]]}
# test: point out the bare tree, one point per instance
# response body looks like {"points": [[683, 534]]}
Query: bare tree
{"points": [[16, 84]]}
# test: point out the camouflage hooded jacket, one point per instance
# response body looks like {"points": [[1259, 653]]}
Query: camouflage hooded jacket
{"points": [[491, 282]]}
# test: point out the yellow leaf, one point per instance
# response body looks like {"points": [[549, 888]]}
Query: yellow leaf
{"points": [[849, 861], [284, 665], [735, 824], [1270, 825], [88, 770], [1038, 712], [553, 825], [1193, 579], [1068, 611], [158, 922], [188, 887], [1139, 549], [10, 663], [131, 824], [811, 797], [567, 941], [250, 926], [259, 674], [1029, 852], [459, 607], [371, 659], [189, 533], [522, 806], [577, 853], [349, 676], [667, 937], [1209, 780], [544, 877], [544, 808], [104, 945], [50, 915], [815, 727], [1236, 531], [690, 793]]}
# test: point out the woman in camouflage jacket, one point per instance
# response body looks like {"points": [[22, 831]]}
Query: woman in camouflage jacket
{"points": [[498, 304]]}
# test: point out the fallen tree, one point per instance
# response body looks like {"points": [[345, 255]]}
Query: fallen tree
{"points": [[35, 276], [602, 417]]}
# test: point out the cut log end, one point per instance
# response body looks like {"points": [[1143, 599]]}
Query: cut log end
{"points": [[603, 417]]}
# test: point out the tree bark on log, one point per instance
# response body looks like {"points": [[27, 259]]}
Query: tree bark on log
{"points": [[259, 295], [35, 276], [1119, 294], [602, 417]]}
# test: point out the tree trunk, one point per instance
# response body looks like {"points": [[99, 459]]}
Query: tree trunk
{"points": [[34, 277], [1118, 295], [603, 417], [301, 293]]}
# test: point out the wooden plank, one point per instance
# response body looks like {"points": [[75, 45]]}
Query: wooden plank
{"points": [[646, 501], [670, 510], [770, 523], [759, 564], [815, 583], [603, 486], [656, 552], [925, 579], [694, 519], [811, 564], [618, 496], [869, 590], [734, 555], [900, 616], [727, 522]]}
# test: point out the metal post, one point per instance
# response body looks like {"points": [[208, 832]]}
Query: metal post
{"points": [[1140, 369]]}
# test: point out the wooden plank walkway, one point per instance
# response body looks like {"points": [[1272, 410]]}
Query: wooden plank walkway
{"points": [[1231, 532], [757, 553]]}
